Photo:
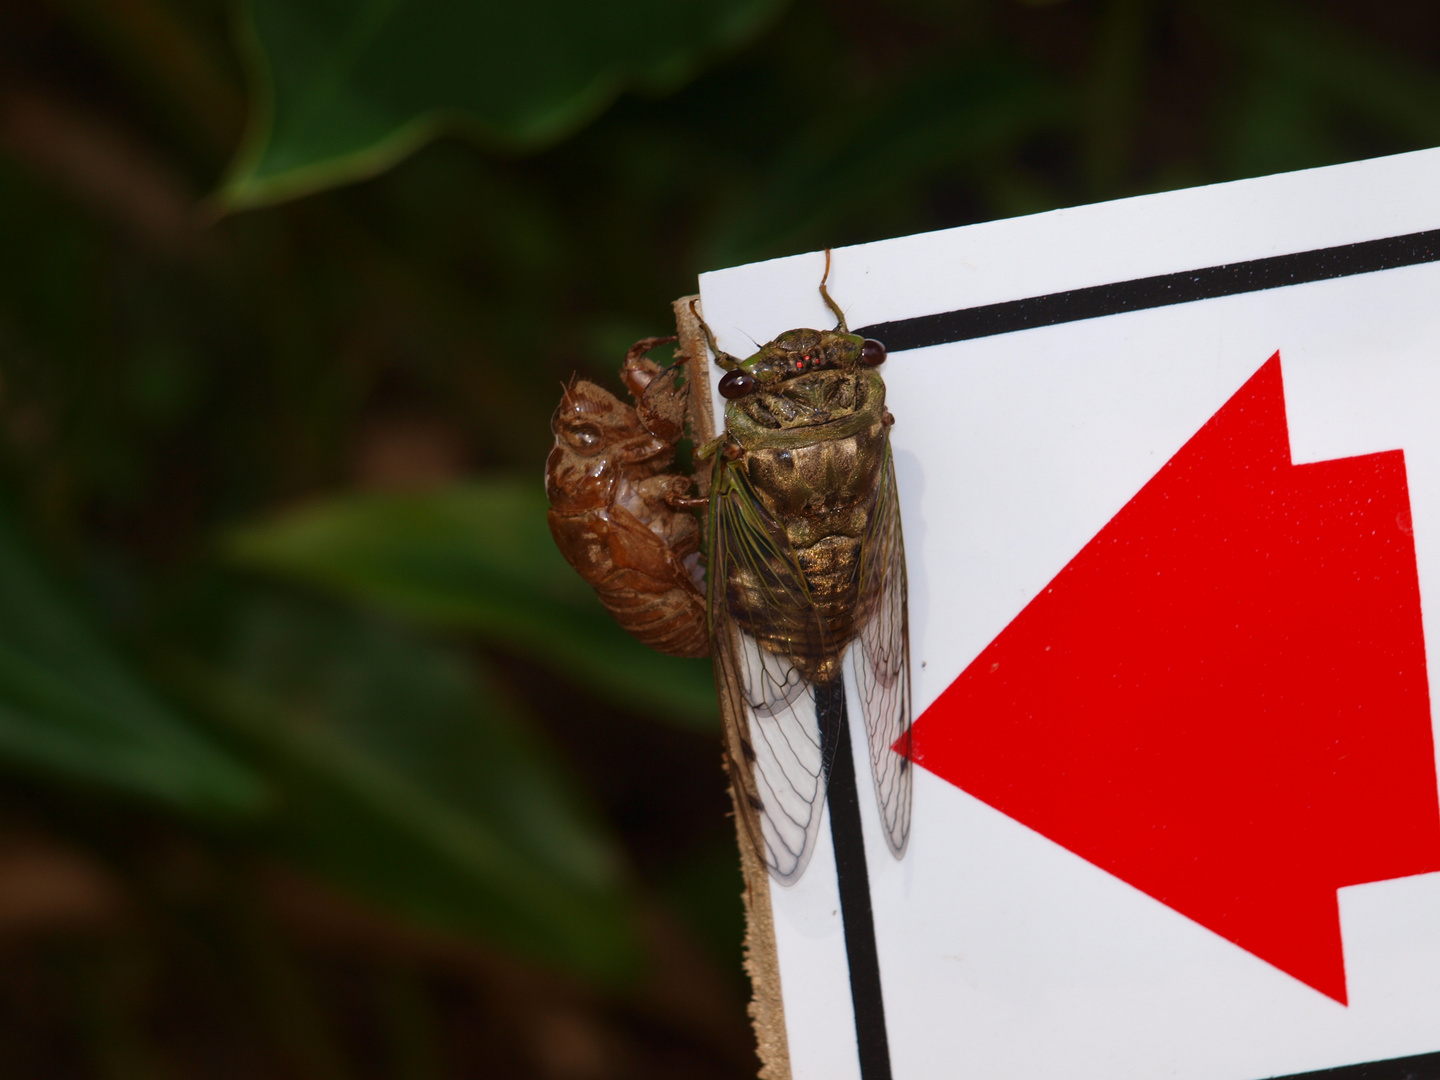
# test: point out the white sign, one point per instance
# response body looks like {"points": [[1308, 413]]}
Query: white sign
{"points": [[1169, 474]]}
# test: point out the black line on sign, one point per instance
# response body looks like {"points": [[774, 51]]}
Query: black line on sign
{"points": [[1140, 294], [854, 880], [1420, 1067]]}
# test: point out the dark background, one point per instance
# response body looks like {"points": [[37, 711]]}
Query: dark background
{"points": [[315, 758]]}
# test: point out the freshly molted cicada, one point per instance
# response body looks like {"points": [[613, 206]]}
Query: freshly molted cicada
{"points": [[807, 569]]}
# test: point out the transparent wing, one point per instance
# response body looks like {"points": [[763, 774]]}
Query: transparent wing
{"points": [[880, 660], [778, 760]]}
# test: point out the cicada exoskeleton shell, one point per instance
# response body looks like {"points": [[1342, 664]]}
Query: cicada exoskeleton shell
{"points": [[619, 513]]}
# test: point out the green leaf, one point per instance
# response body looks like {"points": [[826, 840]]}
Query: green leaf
{"points": [[478, 557], [71, 707], [345, 88], [407, 778]]}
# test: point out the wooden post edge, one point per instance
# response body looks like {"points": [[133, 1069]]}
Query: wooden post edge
{"points": [[767, 1009]]}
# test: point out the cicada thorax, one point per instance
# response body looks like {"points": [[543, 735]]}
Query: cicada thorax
{"points": [[618, 513]]}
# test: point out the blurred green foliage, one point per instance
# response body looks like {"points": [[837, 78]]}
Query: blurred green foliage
{"points": [[71, 708], [319, 761], [407, 776], [349, 88], [477, 557]]}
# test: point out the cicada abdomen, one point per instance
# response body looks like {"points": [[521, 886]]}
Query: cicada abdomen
{"points": [[618, 514]]}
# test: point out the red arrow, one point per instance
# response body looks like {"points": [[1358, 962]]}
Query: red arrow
{"points": [[1222, 699]]}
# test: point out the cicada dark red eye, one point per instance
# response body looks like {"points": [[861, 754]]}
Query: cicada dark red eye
{"points": [[736, 384], [872, 352]]}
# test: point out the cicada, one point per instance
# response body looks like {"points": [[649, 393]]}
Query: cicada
{"points": [[619, 514], [806, 578]]}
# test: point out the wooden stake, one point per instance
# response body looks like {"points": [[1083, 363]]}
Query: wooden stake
{"points": [[767, 1010]]}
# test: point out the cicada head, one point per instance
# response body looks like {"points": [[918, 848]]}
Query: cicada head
{"points": [[798, 353], [804, 377], [590, 420], [593, 429]]}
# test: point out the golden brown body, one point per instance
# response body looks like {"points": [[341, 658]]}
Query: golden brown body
{"points": [[618, 516], [808, 591], [819, 487]]}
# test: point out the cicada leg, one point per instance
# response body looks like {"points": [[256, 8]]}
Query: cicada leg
{"points": [[638, 370], [724, 359]]}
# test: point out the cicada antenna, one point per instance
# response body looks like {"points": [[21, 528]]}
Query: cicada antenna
{"points": [[826, 294], [724, 359]]}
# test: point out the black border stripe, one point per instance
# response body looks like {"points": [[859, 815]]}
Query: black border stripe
{"points": [[1140, 294], [1419, 1067], [853, 877]]}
